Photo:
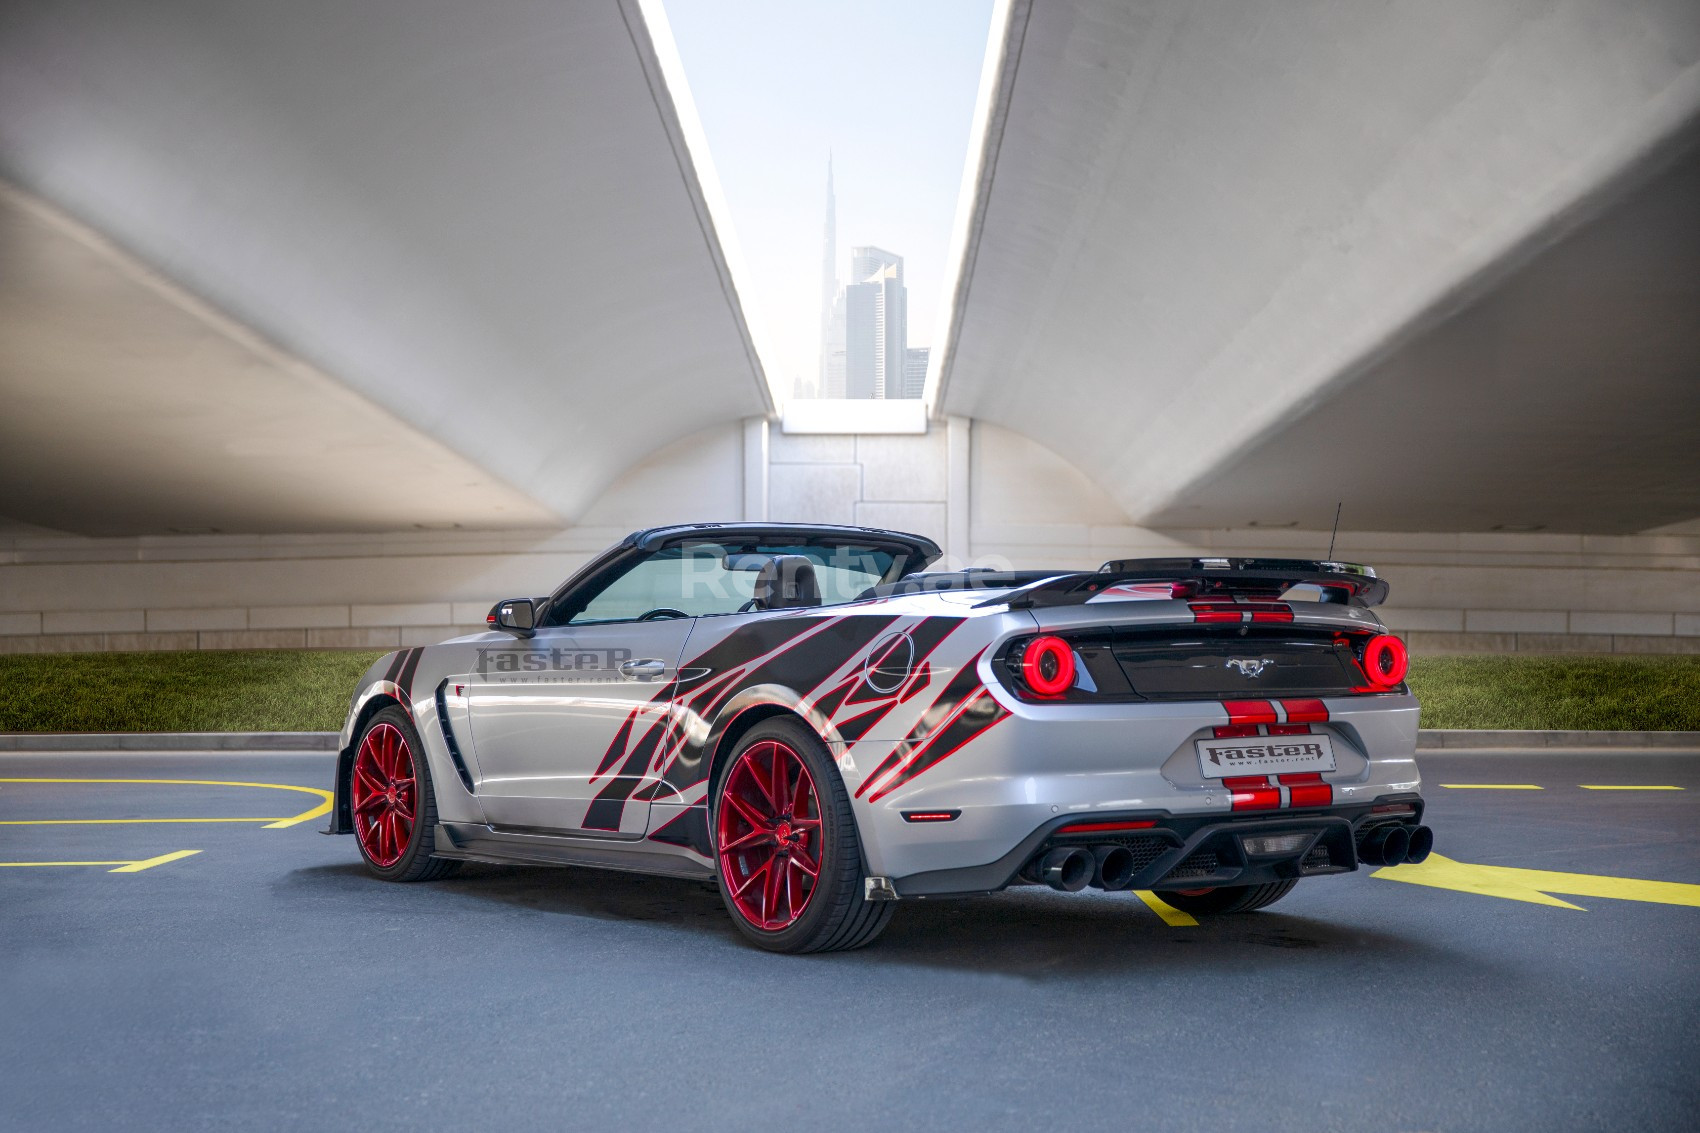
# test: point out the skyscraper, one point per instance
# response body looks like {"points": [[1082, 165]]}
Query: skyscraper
{"points": [[864, 331], [876, 316], [915, 371]]}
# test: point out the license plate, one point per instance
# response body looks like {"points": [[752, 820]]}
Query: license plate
{"points": [[1264, 755]]}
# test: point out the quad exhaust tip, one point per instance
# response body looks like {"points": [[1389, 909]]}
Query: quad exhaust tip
{"points": [[1397, 845], [1067, 870], [1112, 868]]}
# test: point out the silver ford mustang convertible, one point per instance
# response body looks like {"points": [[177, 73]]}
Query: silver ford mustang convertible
{"points": [[810, 718]]}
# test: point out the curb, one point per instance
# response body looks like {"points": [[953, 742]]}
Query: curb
{"points": [[1428, 739], [1439, 739], [168, 741]]}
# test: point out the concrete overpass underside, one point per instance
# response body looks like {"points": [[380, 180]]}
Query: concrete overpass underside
{"points": [[322, 267], [1438, 263]]}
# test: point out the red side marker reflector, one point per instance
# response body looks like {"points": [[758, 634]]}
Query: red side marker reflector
{"points": [[1105, 827], [931, 815]]}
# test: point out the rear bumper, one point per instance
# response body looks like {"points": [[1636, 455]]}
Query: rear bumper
{"points": [[1188, 851]]}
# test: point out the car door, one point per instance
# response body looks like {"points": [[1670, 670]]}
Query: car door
{"points": [[558, 724]]}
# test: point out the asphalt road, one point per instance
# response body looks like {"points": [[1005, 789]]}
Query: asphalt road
{"points": [[265, 982]]}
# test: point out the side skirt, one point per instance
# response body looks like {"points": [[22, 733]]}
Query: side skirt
{"points": [[470, 842]]}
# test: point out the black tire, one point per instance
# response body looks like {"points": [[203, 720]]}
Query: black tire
{"points": [[1229, 898], [837, 916], [416, 862]]}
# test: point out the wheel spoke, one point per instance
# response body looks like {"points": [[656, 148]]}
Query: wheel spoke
{"points": [[369, 805], [795, 898], [755, 875], [752, 766], [367, 780], [803, 864], [755, 837], [780, 793], [748, 813], [771, 891], [802, 794]]}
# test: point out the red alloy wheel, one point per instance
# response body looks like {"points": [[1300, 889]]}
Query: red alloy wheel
{"points": [[768, 835], [384, 795]]}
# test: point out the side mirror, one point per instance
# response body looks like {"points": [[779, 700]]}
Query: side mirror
{"points": [[514, 615]]}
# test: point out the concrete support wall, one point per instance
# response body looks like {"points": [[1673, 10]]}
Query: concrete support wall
{"points": [[988, 496], [1470, 592]]}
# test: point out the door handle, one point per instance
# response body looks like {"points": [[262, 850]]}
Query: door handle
{"points": [[645, 670]]}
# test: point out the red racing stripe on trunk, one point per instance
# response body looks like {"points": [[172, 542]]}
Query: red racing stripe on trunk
{"points": [[1243, 712], [1305, 711], [1306, 788], [1253, 792]]}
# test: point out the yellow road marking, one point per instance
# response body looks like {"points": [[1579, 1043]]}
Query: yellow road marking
{"points": [[1614, 787], [116, 821], [138, 867], [323, 808], [1536, 885], [1492, 787], [124, 867], [1172, 916]]}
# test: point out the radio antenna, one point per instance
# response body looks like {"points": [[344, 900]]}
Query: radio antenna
{"points": [[1332, 535]]}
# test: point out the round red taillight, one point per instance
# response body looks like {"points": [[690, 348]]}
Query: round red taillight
{"points": [[1047, 665], [1386, 660]]}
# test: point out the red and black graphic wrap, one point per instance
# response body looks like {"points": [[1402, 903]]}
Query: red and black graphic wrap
{"points": [[961, 712]]}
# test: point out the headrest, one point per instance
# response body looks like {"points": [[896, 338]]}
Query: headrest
{"points": [[787, 582]]}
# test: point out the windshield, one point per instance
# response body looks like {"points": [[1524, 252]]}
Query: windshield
{"points": [[710, 577]]}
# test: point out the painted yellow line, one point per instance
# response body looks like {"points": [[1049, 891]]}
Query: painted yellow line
{"points": [[323, 808], [1615, 787], [123, 867], [1536, 886], [117, 821], [138, 867], [1492, 787], [1172, 916]]}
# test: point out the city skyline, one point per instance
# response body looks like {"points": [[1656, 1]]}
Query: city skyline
{"points": [[864, 324], [782, 87]]}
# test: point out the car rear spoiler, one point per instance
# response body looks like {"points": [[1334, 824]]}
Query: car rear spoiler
{"points": [[1341, 583]]}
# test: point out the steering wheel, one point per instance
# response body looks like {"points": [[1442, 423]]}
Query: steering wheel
{"points": [[663, 612]]}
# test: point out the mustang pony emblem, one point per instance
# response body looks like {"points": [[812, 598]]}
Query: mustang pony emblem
{"points": [[1249, 668]]}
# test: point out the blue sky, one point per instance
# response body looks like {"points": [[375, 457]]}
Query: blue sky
{"points": [[887, 86]]}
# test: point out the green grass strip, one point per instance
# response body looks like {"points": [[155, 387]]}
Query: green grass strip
{"points": [[239, 691], [301, 691], [1604, 694]]}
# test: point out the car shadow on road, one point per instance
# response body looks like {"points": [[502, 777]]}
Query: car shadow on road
{"points": [[1026, 932]]}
